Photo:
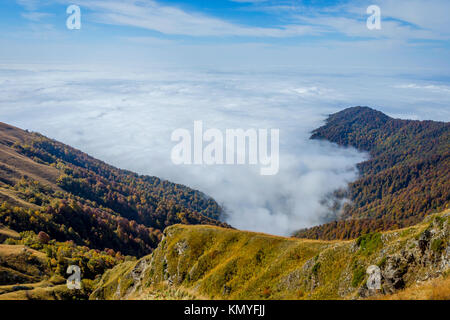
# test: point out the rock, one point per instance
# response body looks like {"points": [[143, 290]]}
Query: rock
{"points": [[424, 241], [291, 282], [396, 266], [181, 247], [226, 290]]}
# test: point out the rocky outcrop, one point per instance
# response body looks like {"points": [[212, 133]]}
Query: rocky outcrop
{"points": [[419, 259]]}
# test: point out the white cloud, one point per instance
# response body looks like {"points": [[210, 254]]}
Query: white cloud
{"points": [[170, 20], [30, 4], [429, 15], [429, 87], [126, 118], [313, 91], [35, 16]]}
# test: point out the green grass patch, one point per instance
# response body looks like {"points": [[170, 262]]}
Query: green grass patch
{"points": [[358, 275], [369, 243], [315, 268], [438, 245]]}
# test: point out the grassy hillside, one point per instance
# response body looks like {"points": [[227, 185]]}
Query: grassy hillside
{"points": [[6, 233], [24, 276], [435, 289], [405, 179], [19, 264], [34, 267], [209, 262]]}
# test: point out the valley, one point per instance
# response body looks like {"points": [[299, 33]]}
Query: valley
{"points": [[141, 237]]}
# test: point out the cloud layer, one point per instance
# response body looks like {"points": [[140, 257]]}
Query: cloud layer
{"points": [[126, 118]]}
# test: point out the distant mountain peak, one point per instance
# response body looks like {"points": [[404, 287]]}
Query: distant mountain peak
{"points": [[403, 179], [361, 115]]}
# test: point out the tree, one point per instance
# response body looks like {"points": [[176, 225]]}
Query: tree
{"points": [[43, 237]]}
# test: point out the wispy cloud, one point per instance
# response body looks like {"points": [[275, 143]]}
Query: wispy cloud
{"points": [[427, 15], [36, 16], [348, 20], [30, 5], [249, 1], [401, 20], [430, 87], [174, 21]]}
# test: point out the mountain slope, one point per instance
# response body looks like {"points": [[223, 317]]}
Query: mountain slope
{"points": [[201, 262], [48, 186], [405, 178]]}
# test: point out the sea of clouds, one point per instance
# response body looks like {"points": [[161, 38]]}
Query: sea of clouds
{"points": [[126, 118]]}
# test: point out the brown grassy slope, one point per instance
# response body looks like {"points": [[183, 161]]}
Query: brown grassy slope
{"points": [[14, 166], [54, 288], [6, 233], [436, 289], [19, 264]]}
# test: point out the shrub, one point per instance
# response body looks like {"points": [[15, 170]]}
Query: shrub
{"points": [[358, 276], [439, 221], [266, 293], [369, 243], [438, 245], [315, 268], [382, 263], [43, 237]]}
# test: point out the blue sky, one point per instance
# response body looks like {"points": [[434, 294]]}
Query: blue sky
{"points": [[414, 34]]}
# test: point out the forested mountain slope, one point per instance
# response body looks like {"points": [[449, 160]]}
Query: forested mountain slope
{"points": [[406, 178], [51, 187]]}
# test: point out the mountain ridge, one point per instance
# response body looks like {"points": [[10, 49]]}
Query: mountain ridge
{"points": [[208, 262], [404, 179]]}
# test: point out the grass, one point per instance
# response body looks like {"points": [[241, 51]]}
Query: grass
{"points": [[215, 263], [315, 268], [6, 233], [15, 165], [215, 258], [23, 273], [438, 245], [113, 279], [436, 289], [369, 243], [58, 292], [359, 273], [19, 263]]}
